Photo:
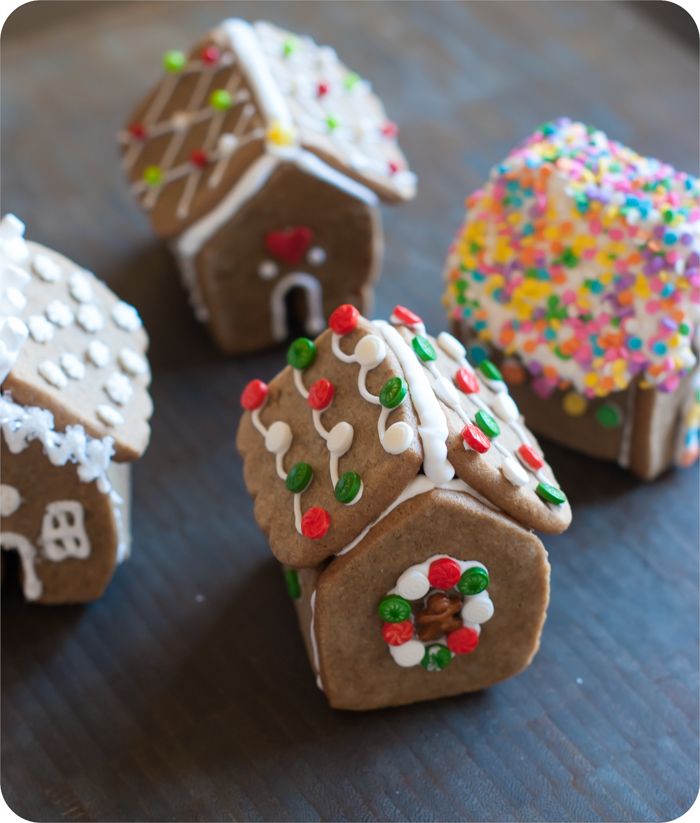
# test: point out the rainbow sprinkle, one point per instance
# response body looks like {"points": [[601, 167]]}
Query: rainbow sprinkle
{"points": [[582, 257]]}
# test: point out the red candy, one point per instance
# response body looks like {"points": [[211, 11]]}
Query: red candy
{"points": [[137, 130], [444, 573], [406, 316], [462, 641], [396, 634], [530, 456], [344, 319], [322, 89], [390, 129], [315, 523], [254, 395], [321, 394], [199, 158], [393, 167], [466, 381], [210, 55], [475, 438]]}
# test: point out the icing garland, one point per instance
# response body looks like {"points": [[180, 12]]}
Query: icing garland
{"points": [[454, 605]]}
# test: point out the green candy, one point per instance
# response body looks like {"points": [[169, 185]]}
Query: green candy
{"points": [[332, 123], [393, 392], [473, 581], [351, 80], [487, 424], [152, 175], [291, 578], [436, 658], [301, 353], [608, 415], [220, 99], [394, 609], [490, 370], [299, 477], [289, 47], [174, 61], [423, 348], [550, 494], [348, 487]]}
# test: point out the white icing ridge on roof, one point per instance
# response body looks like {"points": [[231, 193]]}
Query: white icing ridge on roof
{"points": [[21, 425], [13, 281]]}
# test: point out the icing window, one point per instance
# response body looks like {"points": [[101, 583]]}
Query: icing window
{"points": [[63, 531]]}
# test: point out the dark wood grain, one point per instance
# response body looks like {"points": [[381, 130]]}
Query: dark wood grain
{"points": [[185, 693]]}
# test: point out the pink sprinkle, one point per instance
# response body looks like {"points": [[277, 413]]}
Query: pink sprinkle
{"points": [[652, 306], [616, 234], [568, 297], [621, 265], [595, 227]]}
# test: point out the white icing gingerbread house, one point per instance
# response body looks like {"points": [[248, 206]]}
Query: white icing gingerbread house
{"points": [[413, 486], [74, 410], [262, 158]]}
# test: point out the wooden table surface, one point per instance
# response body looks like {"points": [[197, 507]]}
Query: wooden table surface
{"points": [[185, 693]]}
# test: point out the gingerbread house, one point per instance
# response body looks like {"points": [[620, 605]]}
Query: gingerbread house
{"points": [[74, 409], [262, 159], [577, 270], [399, 488]]}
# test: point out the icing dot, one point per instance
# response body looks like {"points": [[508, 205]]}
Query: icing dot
{"points": [[254, 395], [321, 394], [394, 608], [278, 438], [118, 388], [180, 120], [73, 367], [396, 634], [344, 319], [40, 330], [59, 314], [463, 641], [450, 345], [299, 478], [408, 654], [98, 353], [609, 415], [340, 438], [16, 300], [132, 362], [126, 316], [226, 144], [370, 351], [10, 500], [267, 270], [443, 573], [505, 407], [477, 609], [90, 318], [45, 268], [574, 404], [397, 438], [80, 287], [316, 256], [436, 657], [315, 523], [301, 353], [473, 581], [413, 584], [52, 374], [514, 472], [393, 392], [348, 488]]}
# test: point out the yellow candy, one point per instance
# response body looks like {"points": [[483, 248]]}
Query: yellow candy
{"points": [[575, 404], [280, 135], [590, 379]]}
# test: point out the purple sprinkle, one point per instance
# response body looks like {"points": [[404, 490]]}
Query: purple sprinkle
{"points": [[670, 324], [693, 260], [686, 239], [659, 232], [657, 264]]}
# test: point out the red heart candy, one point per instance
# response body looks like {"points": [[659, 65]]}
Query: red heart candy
{"points": [[289, 245]]}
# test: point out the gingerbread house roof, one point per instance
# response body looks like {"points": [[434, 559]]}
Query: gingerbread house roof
{"points": [[70, 351], [244, 91], [372, 413], [582, 257]]}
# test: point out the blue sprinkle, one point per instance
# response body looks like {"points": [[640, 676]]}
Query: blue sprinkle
{"points": [[550, 334], [528, 229], [477, 354], [634, 343], [659, 347], [670, 238], [478, 276], [479, 325], [668, 290]]}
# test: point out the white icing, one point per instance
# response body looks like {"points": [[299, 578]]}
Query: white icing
{"points": [[59, 314], [451, 346], [52, 374], [408, 654], [514, 472], [478, 608], [118, 388], [413, 584], [10, 500], [109, 415], [63, 531], [40, 330], [504, 406], [314, 641], [316, 256], [90, 318], [13, 333], [370, 351], [132, 362], [268, 270], [98, 353], [397, 438], [339, 438], [80, 287], [278, 437], [13, 280], [125, 316], [46, 268], [314, 322], [72, 367], [22, 425], [31, 584]]}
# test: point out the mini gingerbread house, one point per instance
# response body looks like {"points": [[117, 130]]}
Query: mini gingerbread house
{"points": [[262, 159], [74, 409], [577, 270], [399, 487]]}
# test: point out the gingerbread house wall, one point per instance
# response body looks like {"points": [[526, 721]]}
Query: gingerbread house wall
{"points": [[240, 281], [342, 629], [34, 491]]}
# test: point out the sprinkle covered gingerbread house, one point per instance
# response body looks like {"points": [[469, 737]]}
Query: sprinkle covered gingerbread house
{"points": [[578, 270], [262, 159], [74, 409], [399, 487]]}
